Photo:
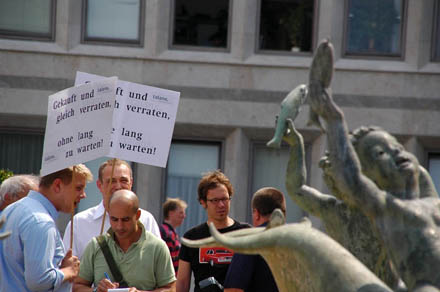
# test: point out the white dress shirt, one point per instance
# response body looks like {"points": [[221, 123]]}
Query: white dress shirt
{"points": [[87, 224]]}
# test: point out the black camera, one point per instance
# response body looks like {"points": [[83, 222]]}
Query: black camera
{"points": [[210, 285]]}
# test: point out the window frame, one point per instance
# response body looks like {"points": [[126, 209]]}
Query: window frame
{"points": [[202, 141], [113, 41], [25, 131], [172, 46], [315, 25], [432, 154], [23, 35], [403, 29], [252, 152], [435, 32]]}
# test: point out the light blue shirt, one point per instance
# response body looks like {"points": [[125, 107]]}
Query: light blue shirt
{"points": [[31, 256]]}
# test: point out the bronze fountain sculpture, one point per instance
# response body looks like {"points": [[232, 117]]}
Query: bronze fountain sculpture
{"points": [[376, 184]]}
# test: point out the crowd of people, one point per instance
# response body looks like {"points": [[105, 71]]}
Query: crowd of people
{"points": [[116, 244]]}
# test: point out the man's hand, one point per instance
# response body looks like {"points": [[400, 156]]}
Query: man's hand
{"points": [[70, 266], [106, 284]]}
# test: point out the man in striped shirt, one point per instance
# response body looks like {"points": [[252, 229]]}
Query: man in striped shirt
{"points": [[173, 214]]}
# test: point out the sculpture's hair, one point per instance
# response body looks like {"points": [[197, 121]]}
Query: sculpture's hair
{"points": [[212, 180], [17, 184], [110, 162], [265, 200], [172, 204], [66, 175], [361, 132]]}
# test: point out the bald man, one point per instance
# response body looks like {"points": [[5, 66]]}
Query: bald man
{"points": [[143, 260]]}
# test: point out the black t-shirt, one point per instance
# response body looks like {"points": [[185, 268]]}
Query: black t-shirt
{"points": [[208, 261]]}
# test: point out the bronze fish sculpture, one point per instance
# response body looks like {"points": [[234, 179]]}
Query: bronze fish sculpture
{"points": [[290, 108], [320, 75]]}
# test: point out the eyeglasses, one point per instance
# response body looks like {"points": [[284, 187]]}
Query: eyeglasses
{"points": [[216, 201]]}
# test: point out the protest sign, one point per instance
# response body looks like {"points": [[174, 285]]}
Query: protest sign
{"points": [[143, 121], [79, 123]]}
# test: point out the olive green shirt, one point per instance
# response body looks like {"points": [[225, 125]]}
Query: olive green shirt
{"points": [[146, 265]]}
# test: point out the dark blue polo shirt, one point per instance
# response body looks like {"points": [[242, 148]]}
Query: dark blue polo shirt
{"points": [[250, 273]]}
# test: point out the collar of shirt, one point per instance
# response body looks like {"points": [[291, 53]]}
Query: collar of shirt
{"points": [[99, 211], [143, 237], [169, 225], [45, 202]]}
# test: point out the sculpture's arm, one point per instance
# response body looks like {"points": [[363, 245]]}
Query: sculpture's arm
{"points": [[357, 188], [309, 199]]}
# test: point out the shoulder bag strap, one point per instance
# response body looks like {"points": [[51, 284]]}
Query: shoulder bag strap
{"points": [[111, 261]]}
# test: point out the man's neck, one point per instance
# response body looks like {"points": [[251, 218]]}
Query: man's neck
{"points": [[170, 223], [125, 243], [220, 224], [3, 206], [263, 220]]}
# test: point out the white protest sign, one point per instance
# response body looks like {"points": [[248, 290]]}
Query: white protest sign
{"points": [[79, 123], [143, 121]]}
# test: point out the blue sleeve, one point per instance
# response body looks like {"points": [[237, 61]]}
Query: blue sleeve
{"points": [[240, 271], [40, 250]]}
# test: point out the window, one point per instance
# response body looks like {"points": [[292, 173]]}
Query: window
{"points": [[113, 21], [21, 152], [33, 19], [269, 170], [434, 169], [374, 27], [436, 37], [201, 23], [286, 25], [186, 163]]}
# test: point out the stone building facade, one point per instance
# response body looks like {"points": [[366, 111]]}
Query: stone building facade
{"points": [[231, 89]]}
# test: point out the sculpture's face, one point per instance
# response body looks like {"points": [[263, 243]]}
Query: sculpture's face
{"points": [[385, 161], [217, 203]]}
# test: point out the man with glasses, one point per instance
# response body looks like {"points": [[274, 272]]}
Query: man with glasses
{"points": [[209, 264]]}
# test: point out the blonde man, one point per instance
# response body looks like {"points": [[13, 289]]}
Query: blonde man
{"points": [[33, 258]]}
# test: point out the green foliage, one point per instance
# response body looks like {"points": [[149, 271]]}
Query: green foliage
{"points": [[4, 174]]}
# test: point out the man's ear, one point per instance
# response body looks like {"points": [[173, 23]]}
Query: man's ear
{"points": [[56, 185], [99, 185], [257, 214], [138, 214], [203, 203], [7, 198]]}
